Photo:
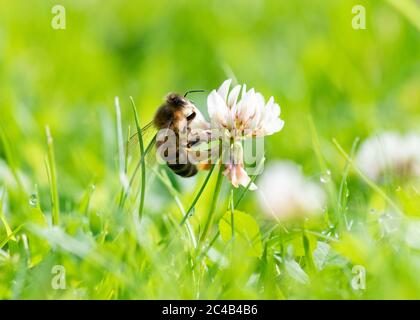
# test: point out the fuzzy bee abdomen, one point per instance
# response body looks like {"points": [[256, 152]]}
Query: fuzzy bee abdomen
{"points": [[184, 170]]}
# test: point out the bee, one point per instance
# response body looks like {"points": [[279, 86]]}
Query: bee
{"points": [[181, 118]]}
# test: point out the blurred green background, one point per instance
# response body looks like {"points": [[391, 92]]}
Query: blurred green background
{"points": [[352, 83]]}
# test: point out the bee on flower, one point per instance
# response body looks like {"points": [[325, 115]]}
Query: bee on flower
{"points": [[187, 142]]}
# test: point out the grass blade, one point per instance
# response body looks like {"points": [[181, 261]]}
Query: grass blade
{"points": [[213, 204], [121, 157], [242, 195], [11, 236], [52, 176], [369, 182], [138, 166], [187, 215], [142, 154], [166, 181], [343, 185], [2, 217], [124, 192]]}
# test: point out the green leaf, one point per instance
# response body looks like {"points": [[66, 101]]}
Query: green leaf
{"points": [[246, 230]]}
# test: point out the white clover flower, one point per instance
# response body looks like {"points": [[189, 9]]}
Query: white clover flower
{"points": [[285, 193], [390, 153], [236, 119], [249, 116]]}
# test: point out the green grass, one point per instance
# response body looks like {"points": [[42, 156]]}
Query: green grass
{"points": [[125, 227], [142, 155], [52, 178]]}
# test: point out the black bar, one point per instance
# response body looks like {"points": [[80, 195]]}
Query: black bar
{"points": [[206, 309]]}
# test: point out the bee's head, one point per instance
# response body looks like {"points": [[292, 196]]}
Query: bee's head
{"points": [[186, 106], [174, 99]]}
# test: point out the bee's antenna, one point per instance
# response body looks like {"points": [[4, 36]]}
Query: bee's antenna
{"points": [[191, 91]]}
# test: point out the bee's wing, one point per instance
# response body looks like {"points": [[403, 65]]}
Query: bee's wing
{"points": [[134, 141], [149, 146], [134, 138], [149, 158]]}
